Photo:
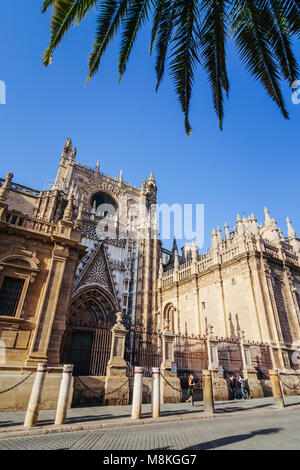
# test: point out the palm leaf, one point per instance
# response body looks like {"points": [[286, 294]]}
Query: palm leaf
{"points": [[136, 15], [164, 36], [185, 54], [46, 5], [251, 37], [213, 37], [65, 13], [279, 37], [111, 13]]}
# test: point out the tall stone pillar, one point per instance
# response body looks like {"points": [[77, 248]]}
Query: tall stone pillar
{"points": [[116, 382], [35, 397], [170, 388]]}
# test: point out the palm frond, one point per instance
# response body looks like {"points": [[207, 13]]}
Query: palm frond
{"points": [[251, 39], [213, 35], [65, 13], [46, 5], [279, 37], [112, 12], [159, 6], [164, 36], [184, 56], [291, 9], [136, 15]]}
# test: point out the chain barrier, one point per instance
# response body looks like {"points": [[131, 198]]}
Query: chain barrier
{"points": [[174, 388], [15, 386], [100, 396], [288, 386]]}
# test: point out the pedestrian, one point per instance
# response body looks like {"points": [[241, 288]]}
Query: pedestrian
{"points": [[232, 383], [191, 387], [241, 381]]}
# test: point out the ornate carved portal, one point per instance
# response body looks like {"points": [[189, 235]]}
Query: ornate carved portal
{"points": [[87, 339]]}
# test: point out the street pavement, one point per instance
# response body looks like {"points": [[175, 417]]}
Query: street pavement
{"points": [[242, 424]]}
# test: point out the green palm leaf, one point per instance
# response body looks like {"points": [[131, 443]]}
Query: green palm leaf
{"points": [[65, 13], [111, 14], [164, 36], [185, 54], [263, 32], [279, 37], [251, 37], [137, 13], [213, 37]]}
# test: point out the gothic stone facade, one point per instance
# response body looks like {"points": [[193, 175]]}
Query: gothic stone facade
{"points": [[78, 252]]}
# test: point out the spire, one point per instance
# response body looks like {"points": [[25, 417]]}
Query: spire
{"points": [[240, 228], [227, 234], [174, 247], [5, 187], [151, 178], [214, 241], [73, 155], [121, 176], [254, 226], [67, 149], [68, 213], [219, 236], [161, 268], [268, 220], [176, 261], [291, 231], [97, 166], [78, 221]]}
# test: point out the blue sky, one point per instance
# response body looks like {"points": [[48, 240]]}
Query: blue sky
{"points": [[252, 163]]}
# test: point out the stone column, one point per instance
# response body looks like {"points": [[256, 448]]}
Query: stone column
{"points": [[155, 392], [208, 399], [170, 392], [35, 397], [64, 393], [276, 389], [137, 393], [116, 382]]}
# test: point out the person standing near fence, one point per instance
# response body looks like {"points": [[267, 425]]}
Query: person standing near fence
{"points": [[191, 387], [241, 381], [232, 382]]}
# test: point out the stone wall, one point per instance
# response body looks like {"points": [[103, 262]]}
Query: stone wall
{"points": [[17, 399]]}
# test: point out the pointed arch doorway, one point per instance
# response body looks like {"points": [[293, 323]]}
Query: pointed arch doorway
{"points": [[87, 338]]}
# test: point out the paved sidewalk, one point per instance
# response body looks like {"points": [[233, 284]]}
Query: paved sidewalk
{"points": [[87, 418]]}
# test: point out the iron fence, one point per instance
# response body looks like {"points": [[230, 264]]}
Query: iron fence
{"points": [[87, 346]]}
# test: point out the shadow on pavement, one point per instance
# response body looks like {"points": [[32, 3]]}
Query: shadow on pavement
{"points": [[224, 441]]}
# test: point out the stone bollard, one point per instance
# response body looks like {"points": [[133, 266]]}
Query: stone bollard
{"points": [[35, 397], [155, 392], [208, 398], [276, 389], [64, 393], [137, 393]]}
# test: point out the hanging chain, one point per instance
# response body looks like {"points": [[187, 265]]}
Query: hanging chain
{"points": [[15, 386]]}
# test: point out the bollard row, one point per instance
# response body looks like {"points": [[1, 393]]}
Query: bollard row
{"points": [[36, 396]]}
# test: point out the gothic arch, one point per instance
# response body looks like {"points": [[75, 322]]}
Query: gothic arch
{"points": [[168, 315], [93, 304]]}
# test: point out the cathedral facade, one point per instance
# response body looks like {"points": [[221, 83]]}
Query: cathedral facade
{"points": [[88, 248]]}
